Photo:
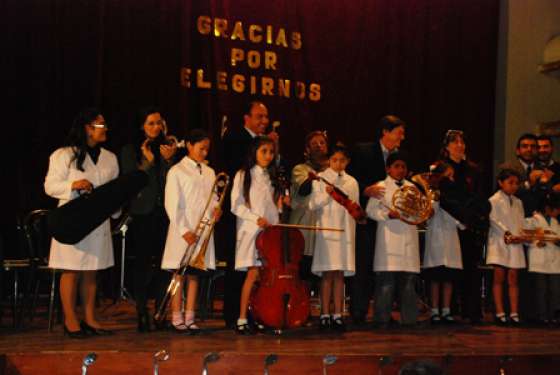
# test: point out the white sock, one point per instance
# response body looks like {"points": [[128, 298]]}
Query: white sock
{"points": [[336, 316], [189, 317], [324, 316], [241, 322], [514, 316], [177, 319], [445, 311], [435, 311]]}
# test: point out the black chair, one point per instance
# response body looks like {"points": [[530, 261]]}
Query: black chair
{"points": [[39, 242], [16, 262]]}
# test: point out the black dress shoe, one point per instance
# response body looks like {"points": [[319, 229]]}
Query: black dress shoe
{"points": [[244, 329], [79, 334], [94, 331], [338, 325], [144, 322], [325, 323]]}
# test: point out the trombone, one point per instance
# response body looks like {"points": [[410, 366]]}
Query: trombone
{"points": [[203, 232]]}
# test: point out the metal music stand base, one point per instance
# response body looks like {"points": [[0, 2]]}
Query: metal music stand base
{"points": [[124, 295]]}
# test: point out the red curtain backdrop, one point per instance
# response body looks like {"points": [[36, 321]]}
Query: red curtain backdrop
{"points": [[431, 62]]}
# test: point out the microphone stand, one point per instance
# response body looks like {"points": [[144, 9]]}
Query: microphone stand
{"points": [[124, 295], [88, 361]]}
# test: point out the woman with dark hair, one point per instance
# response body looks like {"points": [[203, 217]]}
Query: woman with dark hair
{"points": [[152, 153], [463, 199], [316, 161], [74, 170]]}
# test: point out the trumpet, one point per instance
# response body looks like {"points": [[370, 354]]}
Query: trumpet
{"points": [[203, 233]]}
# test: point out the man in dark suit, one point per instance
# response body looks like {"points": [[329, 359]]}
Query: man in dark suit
{"points": [[368, 167], [236, 144], [526, 151]]}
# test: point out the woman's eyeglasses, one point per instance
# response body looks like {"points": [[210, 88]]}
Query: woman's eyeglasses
{"points": [[100, 126]]}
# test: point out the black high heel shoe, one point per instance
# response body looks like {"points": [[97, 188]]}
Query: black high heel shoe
{"points": [[94, 331], [79, 334]]}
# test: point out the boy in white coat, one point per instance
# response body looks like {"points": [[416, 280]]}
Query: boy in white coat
{"points": [[544, 261], [504, 249], [397, 257]]}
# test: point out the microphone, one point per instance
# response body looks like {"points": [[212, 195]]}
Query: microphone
{"points": [[160, 356], [209, 358], [88, 361], [328, 360], [269, 360]]}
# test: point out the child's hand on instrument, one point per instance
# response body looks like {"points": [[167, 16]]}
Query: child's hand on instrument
{"points": [[190, 237], [329, 189], [217, 213], [262, 222], [375, 191], [394, 214]]}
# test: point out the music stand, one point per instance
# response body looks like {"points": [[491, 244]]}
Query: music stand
{"points": [[122, 227]]}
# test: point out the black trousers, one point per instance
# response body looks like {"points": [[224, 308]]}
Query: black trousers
{"points": [[233, 280], [147, 241], [471, 282], [362, 281]]}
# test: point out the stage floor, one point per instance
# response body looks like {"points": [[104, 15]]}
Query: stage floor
{"points": [[34, 350]]}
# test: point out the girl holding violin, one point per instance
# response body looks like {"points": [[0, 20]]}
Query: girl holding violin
{"points": [[334, 252], [255, 203]]}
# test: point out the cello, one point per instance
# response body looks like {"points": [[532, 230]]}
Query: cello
{"points": [[281, 298]]}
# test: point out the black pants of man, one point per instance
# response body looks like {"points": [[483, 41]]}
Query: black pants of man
{"points": [[361, 286], [471, 250]]}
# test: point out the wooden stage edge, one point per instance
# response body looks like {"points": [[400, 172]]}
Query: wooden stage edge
{"points": [[459, 349]]}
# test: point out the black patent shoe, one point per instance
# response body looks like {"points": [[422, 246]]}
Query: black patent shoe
{"points": [[435, 319], [501, 320], [94, 331], [325, 323], [244, 329], [514, 320], [338, 325], [79, 334]]}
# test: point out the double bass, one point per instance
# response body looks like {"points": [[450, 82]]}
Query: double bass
{"points": [[281, 298]]}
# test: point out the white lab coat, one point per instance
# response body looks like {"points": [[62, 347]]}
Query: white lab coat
{"points": [[544, 259], [396, 242], [186, 194], [505, 217], [334, 251], [261, 195], [442, 240], [95, 251]]}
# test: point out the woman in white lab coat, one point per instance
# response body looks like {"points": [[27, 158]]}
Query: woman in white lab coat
{"points": [[188, 188], [397, 256], [442, 257], [77, 169]]}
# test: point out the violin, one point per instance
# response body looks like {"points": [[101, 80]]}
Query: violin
{"points": [[281, 298], [341, 197]]}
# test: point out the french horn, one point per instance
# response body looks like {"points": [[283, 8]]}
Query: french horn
{"points": [[414, 206]]}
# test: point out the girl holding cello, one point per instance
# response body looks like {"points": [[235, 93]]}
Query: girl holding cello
{"points": [[334, 253], [255, 202]]}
